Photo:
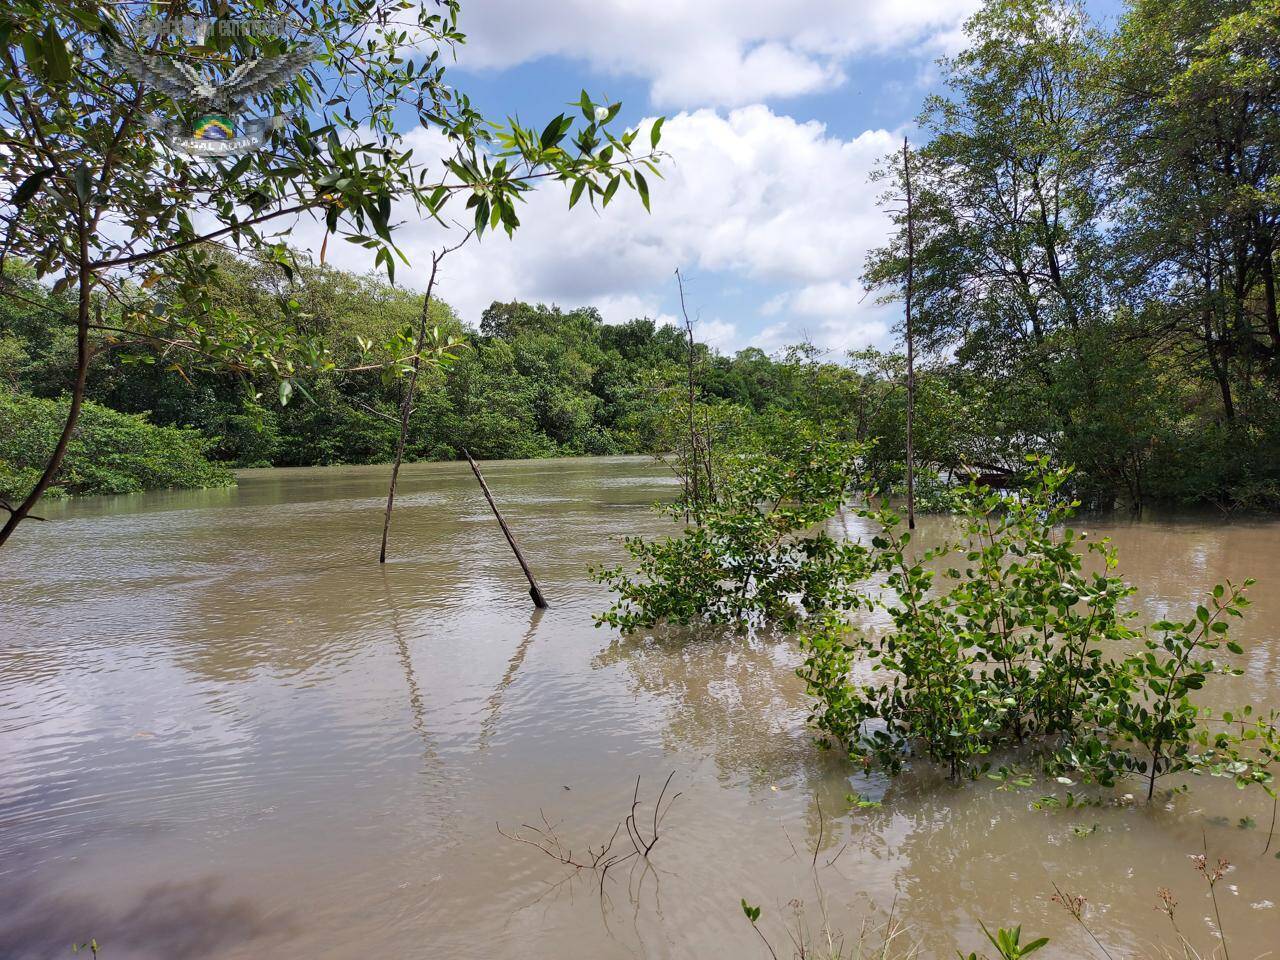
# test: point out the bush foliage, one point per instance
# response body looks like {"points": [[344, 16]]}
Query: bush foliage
{"points": [[998, 639], [110, 453]]}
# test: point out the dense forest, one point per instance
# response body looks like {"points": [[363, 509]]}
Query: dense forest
{"points": [[1094, 228], [530, 381]]}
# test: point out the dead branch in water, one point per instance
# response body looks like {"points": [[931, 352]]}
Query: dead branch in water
{"points": [[603, 858]]}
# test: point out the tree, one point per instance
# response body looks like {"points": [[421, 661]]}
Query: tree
{"points": [[95, 199], [1014, 254], [1195, 93]]}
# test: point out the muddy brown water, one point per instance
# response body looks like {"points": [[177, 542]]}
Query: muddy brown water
{"points": [[226, 732]]}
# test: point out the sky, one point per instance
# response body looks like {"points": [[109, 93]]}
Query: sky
{"points": [[776, 113]]}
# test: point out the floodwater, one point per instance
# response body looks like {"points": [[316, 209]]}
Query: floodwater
{"points": [[226, 732]]}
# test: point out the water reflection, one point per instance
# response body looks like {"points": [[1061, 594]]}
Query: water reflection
{"points": [[735, 698], [225, 731], [494, 704]]}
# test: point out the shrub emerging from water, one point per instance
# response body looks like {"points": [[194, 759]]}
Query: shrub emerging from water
{"points": [[998, 639], [994, 639], [110, 453], [753, 553], [1002, 638]]}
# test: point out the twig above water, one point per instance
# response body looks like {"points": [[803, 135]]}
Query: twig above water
{"points": [[600, 859]]}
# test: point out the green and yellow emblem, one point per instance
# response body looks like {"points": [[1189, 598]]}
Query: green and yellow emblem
{"points": [[213, 126]]}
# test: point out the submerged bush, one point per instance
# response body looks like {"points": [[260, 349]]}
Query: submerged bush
{"points": [[998, 639], [109, 453], [1017, 644], [752, 553], [1002, 645]]}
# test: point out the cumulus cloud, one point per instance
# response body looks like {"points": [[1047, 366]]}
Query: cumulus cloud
{"points": [[709, 52], [750, 198]]}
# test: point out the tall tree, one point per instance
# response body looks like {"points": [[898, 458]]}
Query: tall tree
{"points": [[1195, 104], [1005, 228]]}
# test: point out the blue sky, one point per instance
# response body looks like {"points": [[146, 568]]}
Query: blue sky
{"points": [[776, 114]]}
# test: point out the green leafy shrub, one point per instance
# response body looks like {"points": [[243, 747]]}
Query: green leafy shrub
{"points": [[753, 553], [1004, 645], [1144, 722], [1018, 644], [999, 639], [109, 453]]}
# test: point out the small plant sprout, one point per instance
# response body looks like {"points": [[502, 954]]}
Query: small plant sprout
{"points": [[753, 914], [1008, 943]]}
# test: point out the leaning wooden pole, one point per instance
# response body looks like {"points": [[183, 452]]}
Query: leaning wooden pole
{"points": [[910, 337], [535, 592]]}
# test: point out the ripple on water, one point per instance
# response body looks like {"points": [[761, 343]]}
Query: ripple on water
{"points": [[225, 731]]}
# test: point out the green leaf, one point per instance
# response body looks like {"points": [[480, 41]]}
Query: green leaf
{"points": [[655, 132], [642, 187], [27, 189], [57, 61], [553, 132], [33, 53], [576, 193], [83, 179]]}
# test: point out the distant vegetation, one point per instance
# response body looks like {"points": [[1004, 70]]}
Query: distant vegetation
{"points": [[1096, 226], [110, 453], [534, 381]]}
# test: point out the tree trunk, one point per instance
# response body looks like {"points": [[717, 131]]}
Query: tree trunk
{"points": [[910, 337], [406, 404], [694, 487], [1269, 291], [85, 283]]}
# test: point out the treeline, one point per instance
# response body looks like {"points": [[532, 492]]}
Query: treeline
{"points": [[1095, 219], [529, 381]]}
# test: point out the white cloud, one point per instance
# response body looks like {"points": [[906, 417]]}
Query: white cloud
{"points": [[750, 198], [709, 52]]}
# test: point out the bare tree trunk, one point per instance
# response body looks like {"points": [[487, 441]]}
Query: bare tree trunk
{"points": [[406, 402], [1269, 302], [693, 433], [1216, 345], [910, 337], [535, 591], [85, 277]]}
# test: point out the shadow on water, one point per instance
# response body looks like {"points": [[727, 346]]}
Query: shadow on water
{"points": [[174, 921]]}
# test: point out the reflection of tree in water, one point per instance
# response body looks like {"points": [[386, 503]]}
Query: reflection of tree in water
{"points": [[417, 708], [736, 697], [494, 705]]}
